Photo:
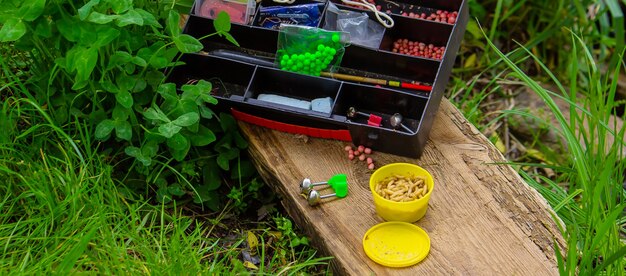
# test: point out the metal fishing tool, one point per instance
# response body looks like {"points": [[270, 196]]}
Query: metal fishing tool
{"points": [[396, 122], [338, 182]]}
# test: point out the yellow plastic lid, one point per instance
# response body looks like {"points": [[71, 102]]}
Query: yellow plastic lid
{"points": [[396, 244]]}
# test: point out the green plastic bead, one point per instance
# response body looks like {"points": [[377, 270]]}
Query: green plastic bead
{"points": [[285, 57], [294, 56], [332, 51], [335, 38], [320, 47]]}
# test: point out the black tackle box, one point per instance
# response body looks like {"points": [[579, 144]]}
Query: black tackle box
{"points": [[237, 83]]}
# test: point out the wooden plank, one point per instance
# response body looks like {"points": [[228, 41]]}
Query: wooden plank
{"points": [[482, 218]]}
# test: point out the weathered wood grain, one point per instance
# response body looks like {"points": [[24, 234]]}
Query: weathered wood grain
{"points": [[482, 218]]}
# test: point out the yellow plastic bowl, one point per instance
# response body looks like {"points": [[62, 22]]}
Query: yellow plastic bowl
{"points": [[410, 211]]}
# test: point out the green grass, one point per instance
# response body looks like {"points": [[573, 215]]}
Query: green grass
{"points": [[63, 212], [592, 204], [580, 55]]}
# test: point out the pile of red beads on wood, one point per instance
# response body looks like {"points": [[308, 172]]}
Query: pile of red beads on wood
{"points": [[415, 48], [361, 153]]}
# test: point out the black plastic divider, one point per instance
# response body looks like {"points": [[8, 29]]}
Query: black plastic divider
{"points": [[381, 102], [390, 64], [424, 31], [249, 37], [217, 71], [291, 85]]}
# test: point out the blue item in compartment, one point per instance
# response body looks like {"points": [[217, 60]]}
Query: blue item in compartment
{"points": [[303, 15]]}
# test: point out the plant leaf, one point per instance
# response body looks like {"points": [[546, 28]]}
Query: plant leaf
{"points": [[203, 137], [187, 119], [105, 36], [109, 86], [132, 151], [126, 82], [178, 142], [223, 162], [154, 113], [120, 6], [222, 22], [124, 98], [205, 112], [68, 29], [172, 23], [228, 122], [240, 141], [76, 251], [85, 63], [99, 18], [176, 189], [139, 61], [148, 18], [163, 196], [253, 242], [44, 28], [200, 92], [130, 17], [119, 58], [140, 85], [150, 149], [120, 113], [154, 78], [32, 9], [180, 155], [136, 152], [104, 128], [124, 130], [168, 92], [212, 176], [168, 130], [12, 30], [230, 38], [201, 195], [83, 12], [249, 265], [187, 44]]}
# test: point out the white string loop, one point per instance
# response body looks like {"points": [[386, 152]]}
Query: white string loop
{"points": [[284, 1], [387, 21]]}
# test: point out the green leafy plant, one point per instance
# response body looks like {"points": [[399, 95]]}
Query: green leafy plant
{"points": [[288, 238], [103, 63]]}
